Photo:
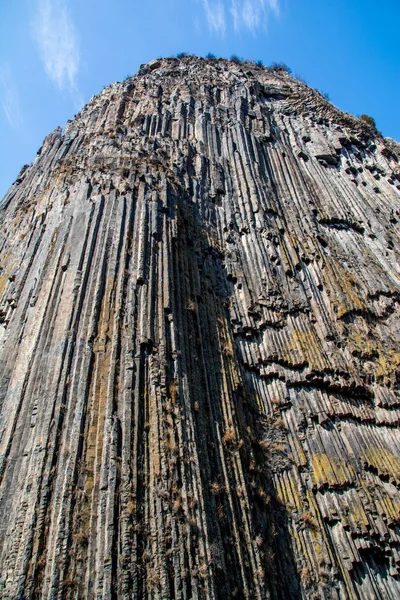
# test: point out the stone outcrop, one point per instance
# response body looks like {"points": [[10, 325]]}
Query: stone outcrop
{"points": [[199, 360]]}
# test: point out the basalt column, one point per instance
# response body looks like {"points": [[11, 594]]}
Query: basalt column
{"points": [[200, 347]]}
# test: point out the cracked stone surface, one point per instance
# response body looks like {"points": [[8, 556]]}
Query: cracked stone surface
{"points": [[199, 347]]}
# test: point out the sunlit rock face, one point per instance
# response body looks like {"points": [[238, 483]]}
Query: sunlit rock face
{"points": [[199, 359]]}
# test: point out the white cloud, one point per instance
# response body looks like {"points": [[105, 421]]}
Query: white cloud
{"points": [[215, 13], [274, 6], [235, 14], [9, 97], [245, 14], [54, 33], [253, 14]]}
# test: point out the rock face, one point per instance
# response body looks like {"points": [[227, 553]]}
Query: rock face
{"points": [[199, 298]]}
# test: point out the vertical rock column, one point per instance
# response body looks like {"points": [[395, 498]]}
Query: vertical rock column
{"points": [[199, 360]]}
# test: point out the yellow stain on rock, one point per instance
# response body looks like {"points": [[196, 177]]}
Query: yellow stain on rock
{"points": [[383, 461], [331, 471], [341, 288]]}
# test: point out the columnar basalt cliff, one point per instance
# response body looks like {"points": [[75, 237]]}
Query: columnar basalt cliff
{"points": [[200, 347]]}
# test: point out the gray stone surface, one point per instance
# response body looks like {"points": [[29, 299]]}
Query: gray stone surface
{"points": [[199, 347]]}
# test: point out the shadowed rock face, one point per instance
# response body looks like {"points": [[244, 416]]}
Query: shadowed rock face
{"points": [[199, 360]]}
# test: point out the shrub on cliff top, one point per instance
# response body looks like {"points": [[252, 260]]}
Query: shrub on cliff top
{"points": [[275, 66], [324, 94], [369, 120]]}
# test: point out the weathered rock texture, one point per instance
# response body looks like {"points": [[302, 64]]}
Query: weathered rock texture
{"points": [[200, 347]]}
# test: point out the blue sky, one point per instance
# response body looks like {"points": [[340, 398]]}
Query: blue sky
{"points": [[56, 54]]}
